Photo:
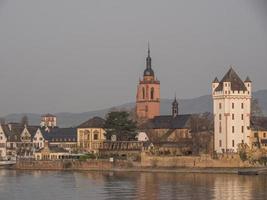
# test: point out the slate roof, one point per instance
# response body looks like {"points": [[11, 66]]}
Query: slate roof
{"points": [[259, 123], [61, 135], [236, 83], [95, 122], [168, 122]]}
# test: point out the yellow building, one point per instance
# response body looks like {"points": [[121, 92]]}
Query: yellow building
{"points": [[258, 134], [91, 134], [51, 153]]}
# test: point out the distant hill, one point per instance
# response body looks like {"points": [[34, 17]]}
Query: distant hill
{"points": [[195, 105]]}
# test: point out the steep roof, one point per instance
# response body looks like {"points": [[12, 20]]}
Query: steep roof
{"points": [[236, 83], [95, 122], [61, 134], [168, 122]]}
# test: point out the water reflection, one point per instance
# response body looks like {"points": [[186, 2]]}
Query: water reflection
{"points": [[24, 185]]}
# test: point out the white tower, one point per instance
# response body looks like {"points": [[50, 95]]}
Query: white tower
{"points": [[231, 109]]}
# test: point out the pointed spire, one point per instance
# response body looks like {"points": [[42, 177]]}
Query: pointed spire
{"points": [[248, 80], [216, 80], [175, 107], [148, 59]]}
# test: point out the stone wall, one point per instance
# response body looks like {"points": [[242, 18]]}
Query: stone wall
{"points": [[72, 165], [192, 161]]}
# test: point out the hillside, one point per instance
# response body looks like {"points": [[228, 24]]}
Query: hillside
{"points": [[194, 105]]}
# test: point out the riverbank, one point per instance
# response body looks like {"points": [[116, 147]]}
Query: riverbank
{"points": [[124, 166]]}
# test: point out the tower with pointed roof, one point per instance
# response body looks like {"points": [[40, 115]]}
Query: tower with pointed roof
{"points": [[148, 93], [231, 109], [175, 107]]}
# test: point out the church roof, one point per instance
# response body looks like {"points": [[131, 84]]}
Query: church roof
{"points": [[236, 83], [95, 122], [168, 122]]}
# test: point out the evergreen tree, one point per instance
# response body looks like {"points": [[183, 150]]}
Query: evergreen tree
{"points": [[119, 123]]}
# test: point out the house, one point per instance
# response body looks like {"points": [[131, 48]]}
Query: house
{"points": [[48, 120], [258, 134], [91, 134], [51, 153], [65, 138], [3, 141]]}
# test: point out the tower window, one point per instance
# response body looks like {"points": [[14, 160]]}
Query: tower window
{"points": [[220, 105], [242, 116], [242, 105], [143, 93], [233, 116], [242, 129], [233, 129], [220, 116], [233, 105], [152, 93], [233, 143], [220, 143]]}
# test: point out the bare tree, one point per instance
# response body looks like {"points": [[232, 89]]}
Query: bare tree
{"points": [[24, 120], [256, 109], [2, 120]]}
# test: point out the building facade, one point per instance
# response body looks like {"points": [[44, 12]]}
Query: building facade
{"points": [[148, 93], [48, 120], [231, 109], [91, 134]]}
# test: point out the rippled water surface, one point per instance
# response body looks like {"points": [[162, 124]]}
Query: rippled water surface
{"points": [[56, 185]]}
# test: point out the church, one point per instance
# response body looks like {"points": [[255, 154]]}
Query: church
{"points": [[168, 132]]}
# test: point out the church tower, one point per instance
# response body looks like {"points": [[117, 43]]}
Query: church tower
{"points": [[148, 93], [175, 108]]}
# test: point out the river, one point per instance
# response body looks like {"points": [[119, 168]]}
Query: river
{"points": [[60, 185]]}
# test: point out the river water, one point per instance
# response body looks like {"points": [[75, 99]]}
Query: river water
{"points": [[58, 185]]}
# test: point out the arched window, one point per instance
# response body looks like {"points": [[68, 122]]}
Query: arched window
{"points": [[143, 93], [152, 93]]}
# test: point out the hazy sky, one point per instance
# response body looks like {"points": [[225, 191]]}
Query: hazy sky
{"points": [[81, 55]]}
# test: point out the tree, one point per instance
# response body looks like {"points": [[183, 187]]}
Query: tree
{"points": [[119, 123], [24, 120], [2, 120]]}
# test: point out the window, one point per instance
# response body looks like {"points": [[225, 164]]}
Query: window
{"points": [[264, 135], [233, 143], [220, 128], [242, 117], [220, 143], [242, 105], [152, 93], [233, 116], [143, 93], [220, 105], [95, 136], [242, 129], [233, 129], [233, 105], [220, 117]]}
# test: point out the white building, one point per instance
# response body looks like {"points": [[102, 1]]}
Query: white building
{"points": [[231, 108], [48, 120]]}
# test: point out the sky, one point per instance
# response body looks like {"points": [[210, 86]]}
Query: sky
{"points": [[82, 55]]}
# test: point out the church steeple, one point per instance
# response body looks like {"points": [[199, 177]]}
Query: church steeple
{"points": [[175, 107], [148, 71]]}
